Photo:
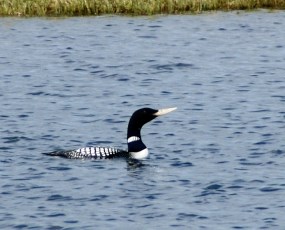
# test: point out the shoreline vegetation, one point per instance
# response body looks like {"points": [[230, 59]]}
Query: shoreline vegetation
{"points": [[29, 8]]}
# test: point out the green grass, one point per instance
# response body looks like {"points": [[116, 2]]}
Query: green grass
{"points": [[127, 7]]}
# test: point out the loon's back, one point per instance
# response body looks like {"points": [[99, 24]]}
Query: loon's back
{"points": [[90, 152]]}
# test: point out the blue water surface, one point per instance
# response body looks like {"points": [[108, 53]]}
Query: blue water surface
{"points": [[215, 163]]}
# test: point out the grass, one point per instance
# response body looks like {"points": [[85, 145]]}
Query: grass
{"points": [[127, 7]]}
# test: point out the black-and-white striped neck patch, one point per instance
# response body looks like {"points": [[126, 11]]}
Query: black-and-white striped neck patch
{"points": [[133, 138]]}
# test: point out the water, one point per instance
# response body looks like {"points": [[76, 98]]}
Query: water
{"points": [[215, 163]]}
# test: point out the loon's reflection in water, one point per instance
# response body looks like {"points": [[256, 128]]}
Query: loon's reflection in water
{"points": [[134, 164]]}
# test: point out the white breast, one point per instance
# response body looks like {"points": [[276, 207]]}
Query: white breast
{"points": [[139, 155]]}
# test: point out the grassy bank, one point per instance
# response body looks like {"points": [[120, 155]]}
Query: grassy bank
{"points": [[128, 7]]}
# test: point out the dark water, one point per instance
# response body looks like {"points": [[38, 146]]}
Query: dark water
{"points": [[216, 163]]}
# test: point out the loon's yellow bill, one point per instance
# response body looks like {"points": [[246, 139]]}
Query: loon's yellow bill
{"points": [[164, 111]]}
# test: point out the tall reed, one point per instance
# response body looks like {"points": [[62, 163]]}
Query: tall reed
{"points": [[128, 7]]}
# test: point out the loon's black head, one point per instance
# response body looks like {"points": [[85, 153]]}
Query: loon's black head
{"points": [[140, 117]]}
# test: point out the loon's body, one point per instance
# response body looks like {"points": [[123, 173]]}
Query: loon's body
{"points": [[136, 148]]}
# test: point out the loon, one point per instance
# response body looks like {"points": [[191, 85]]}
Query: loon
{"points": [[136, 148]]}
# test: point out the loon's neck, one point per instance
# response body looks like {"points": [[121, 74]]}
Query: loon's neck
{"points": [[136, 147]]}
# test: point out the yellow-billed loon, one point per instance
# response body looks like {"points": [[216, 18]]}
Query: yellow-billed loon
{"points": [[136, 148]]}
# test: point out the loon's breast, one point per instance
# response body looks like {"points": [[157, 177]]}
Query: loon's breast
{"points": [[139, 155]]}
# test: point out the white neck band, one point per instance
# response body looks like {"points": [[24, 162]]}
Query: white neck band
{"points": [[133, 138]]}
